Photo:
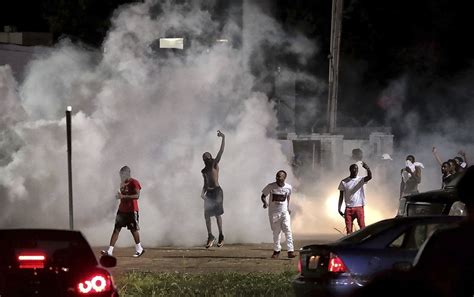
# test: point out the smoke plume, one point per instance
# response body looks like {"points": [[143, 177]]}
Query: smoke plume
{"points": [[154, 110]]}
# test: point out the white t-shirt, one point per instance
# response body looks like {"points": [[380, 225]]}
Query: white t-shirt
{"points": [[278, 200], [353, 189]]}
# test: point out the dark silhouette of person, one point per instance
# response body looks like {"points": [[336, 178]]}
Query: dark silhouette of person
{"points": [[411, 177]]}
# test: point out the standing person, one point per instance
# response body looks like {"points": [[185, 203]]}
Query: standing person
{"points": [[411, 176], [127, 214], [357, 156], [464, 164], [212, 193], [351, 190], [461, 164], [446, 174], [279, 212]]}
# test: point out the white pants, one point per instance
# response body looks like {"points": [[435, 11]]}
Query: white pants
{"points": [[280, 221]]}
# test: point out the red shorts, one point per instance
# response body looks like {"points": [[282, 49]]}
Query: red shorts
{"points": [[354, 213]]}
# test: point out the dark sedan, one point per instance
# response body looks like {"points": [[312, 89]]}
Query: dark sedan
{"points": [[40, 262], [338, 268]]}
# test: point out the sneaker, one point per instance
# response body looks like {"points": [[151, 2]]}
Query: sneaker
{"points": [[275, 255], [210, 241], [104, 253], [291, 254], [138, 254], [220, 243]]}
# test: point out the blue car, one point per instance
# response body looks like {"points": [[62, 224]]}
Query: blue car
{"points": [[338, 268]]}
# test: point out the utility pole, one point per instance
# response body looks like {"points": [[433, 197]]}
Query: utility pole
{"points": [[69, 165], [336, 24]]}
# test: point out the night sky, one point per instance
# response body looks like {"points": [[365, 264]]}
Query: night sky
{"points": [[424, 43]]}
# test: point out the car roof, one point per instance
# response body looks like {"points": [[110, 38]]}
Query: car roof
{"points": [[379, 228], [403, 220], [434, 196]]}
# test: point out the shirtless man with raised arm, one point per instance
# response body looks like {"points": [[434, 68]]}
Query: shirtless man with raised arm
{"points": [[212, 193]]}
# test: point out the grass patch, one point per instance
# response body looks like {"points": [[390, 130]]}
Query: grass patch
{"points": [[151, 284]]}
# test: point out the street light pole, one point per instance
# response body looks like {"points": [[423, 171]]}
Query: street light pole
{"points": [[69, 165], [336, 23]]}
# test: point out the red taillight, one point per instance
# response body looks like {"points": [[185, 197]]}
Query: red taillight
{"points": [[31, 260], [336, 264], [96, 283]]}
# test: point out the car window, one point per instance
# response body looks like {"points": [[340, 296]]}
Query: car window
{"points": [[414, 237], [398, 242]]}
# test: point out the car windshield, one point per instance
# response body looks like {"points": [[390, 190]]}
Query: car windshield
{"points": [[368, 232], [61, 249]]}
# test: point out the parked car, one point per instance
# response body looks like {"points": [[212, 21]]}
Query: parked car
{"points": [[437, 202], [42, 262], [338, 268]]}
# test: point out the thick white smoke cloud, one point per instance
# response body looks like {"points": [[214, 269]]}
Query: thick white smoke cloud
{"points": [[155, 111]]}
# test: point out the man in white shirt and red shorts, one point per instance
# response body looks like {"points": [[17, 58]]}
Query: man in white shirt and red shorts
{"points": [[352, 192]]}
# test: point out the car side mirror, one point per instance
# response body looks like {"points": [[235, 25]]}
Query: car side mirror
{"points": [[402, 266], [108, 261]]}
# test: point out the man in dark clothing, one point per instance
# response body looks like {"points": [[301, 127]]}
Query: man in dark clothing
{"points": [[446, 174], [212, 193], [411, 176]]}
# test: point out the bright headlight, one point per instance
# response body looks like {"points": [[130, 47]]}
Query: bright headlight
{"points": [[457, 209]]}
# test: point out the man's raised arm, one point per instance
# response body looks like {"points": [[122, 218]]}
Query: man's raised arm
{"points": [[221, 150], [369, 173], [436, 155]]}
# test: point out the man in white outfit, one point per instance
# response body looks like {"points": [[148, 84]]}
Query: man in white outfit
{"points": [[279, 212]]}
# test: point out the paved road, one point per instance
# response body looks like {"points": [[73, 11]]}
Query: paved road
{"points": [[229, 258]]}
